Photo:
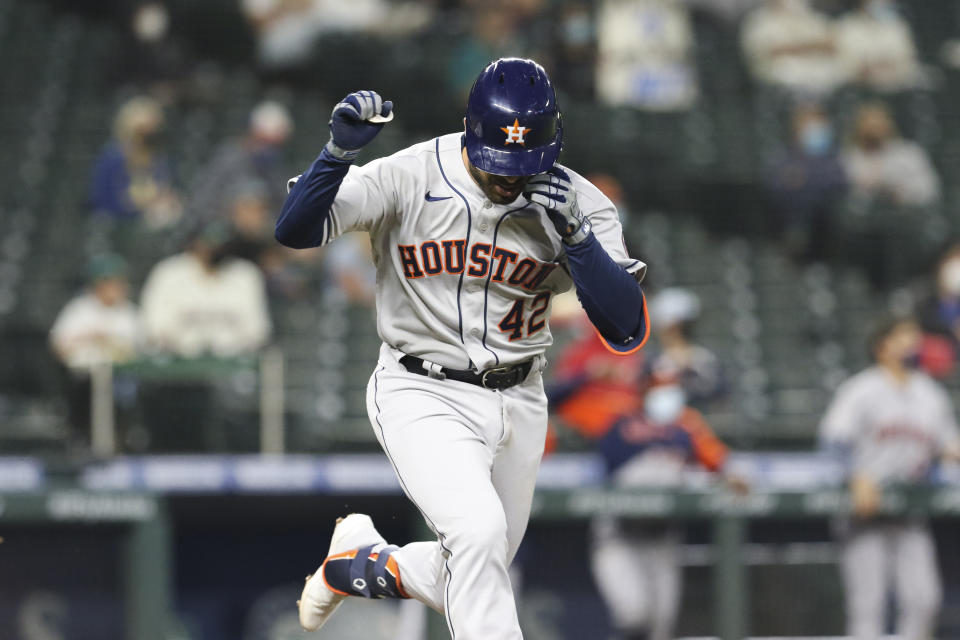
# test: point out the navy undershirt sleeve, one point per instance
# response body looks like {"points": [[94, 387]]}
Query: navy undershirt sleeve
{"points": [[308, 204], [611, 297]]}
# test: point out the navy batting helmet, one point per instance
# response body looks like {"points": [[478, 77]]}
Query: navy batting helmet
{"points": [[513, 121]]}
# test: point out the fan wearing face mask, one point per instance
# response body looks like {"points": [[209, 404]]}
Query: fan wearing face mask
{"points": [[653, 446], [637, 411], [806, 184]]}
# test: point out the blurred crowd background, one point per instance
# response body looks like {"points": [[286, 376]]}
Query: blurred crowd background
{"points": [[785, 167], [785, 163]]}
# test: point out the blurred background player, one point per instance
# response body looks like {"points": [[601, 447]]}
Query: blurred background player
{"points": [[636, 411], [646, 439], [891, 424], [636, 564]]}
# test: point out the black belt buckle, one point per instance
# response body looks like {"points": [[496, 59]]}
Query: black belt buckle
{"points": [[501, 377]]}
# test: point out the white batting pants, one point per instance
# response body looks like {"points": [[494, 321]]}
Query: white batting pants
{"points": [[876, 557], [639, 577], [467, 457]]}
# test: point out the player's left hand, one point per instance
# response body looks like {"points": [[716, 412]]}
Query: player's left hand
{"points": [[554, 191]]}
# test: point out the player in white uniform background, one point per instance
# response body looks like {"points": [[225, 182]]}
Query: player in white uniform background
{"points": [[472, 234], [891, 423]]}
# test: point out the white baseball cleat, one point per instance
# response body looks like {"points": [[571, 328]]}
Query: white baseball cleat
{"points": [[318, 601]]}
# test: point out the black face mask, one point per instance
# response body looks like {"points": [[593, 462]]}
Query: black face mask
{"points": [[912, 360], [221, 254], [244, 248], [151, 139]]}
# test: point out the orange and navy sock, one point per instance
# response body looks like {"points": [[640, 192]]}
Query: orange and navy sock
{"points": [[365, 573]]}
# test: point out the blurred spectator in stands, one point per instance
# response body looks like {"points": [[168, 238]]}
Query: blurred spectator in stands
{"points": [[288, 30], [807, 184], [890, 425], [202, 302], [153, 60], [729, 10], [101, 324], [132, 178], [206, 301], [494, 31], [251, 222], [98, 326], [249, 215], [939, 316], [574, 49], [636, 564], [645, 55], [789, 44], [884, 167], [876, 47], [256, 157], [697, 370]]}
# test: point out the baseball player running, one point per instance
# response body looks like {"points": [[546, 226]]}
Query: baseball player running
{"points": [[473, 233], [891, 423]]}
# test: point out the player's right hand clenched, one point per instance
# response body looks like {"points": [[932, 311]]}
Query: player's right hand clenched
{"points": [[355, 121]]}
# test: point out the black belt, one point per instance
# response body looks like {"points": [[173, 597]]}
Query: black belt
{"points": [[495, 378]]}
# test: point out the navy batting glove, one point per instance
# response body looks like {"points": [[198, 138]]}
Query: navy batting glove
{"points": [[555, 193], [355, 121]]}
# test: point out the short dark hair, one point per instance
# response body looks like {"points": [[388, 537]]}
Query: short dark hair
{"points": [[883, 327]]}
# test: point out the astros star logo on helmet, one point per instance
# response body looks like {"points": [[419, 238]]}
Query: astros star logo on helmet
{"points": [[515, 133]]}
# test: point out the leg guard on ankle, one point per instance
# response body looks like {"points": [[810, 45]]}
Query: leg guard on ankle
{"points": [[365, 573]]}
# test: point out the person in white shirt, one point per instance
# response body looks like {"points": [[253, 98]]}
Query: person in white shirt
{"points": [[883, 166], [891, 424], [98, 326], [876, 48], [787, 43], [203, 301], [645, 55]]}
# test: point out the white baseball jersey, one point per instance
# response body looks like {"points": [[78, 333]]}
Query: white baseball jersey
{"points": [[461, 281], [895, 431]]}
